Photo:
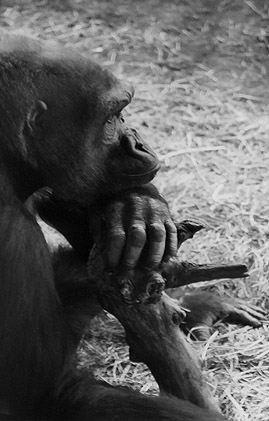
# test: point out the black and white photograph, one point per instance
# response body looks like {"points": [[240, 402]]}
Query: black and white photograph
{"points": [[134, 210]]}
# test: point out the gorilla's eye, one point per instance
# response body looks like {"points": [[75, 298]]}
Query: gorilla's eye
{"points": [[110, 119], [120, 117]]}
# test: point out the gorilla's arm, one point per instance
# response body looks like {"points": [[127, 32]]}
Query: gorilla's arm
{"points": [[69, 218], [137, 224]]}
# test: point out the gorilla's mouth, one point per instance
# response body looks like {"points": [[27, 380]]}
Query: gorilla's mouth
{"points": [[138, 175]]}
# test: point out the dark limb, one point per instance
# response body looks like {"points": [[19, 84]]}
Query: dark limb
{"points": [[107, 403], [75, 290], [205, 308], [69, 218], [33, 325], [136, 223]]}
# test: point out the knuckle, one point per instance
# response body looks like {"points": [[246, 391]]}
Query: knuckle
{"points": [[171, 227], [138, 230], [117, 235], [157, 231], [114, 209], [136, 200], [137, 227], [137, 238], [154, 205]]}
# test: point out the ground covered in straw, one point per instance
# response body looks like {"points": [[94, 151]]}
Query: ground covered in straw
{"points": [[201, 74]]}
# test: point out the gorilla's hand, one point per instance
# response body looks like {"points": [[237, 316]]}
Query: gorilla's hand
{"points": [[138, 226]]}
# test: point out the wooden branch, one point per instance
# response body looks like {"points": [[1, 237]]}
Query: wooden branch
{"points": [[152, 330], [186, 230], [178, 273]]}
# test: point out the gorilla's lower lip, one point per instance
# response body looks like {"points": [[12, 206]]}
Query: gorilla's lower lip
{"points": [[152, 171]]}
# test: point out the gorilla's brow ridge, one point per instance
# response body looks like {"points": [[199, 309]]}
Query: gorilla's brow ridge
{"points": [[119, 100]]}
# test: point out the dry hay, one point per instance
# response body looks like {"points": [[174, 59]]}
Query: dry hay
{"points": [[201, 75]]}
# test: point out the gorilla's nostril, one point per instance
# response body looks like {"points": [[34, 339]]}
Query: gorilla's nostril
{"points": [[140, 146], [131, 143]]}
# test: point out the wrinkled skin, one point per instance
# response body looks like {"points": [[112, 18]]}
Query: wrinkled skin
{"points": [[204, 309]]}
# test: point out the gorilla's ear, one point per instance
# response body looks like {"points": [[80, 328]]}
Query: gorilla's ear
{"points": [[35, 116]]}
